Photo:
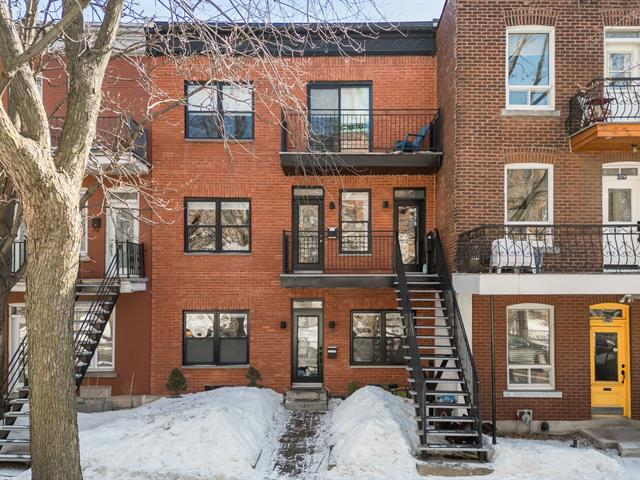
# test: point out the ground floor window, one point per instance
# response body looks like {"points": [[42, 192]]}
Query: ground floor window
{"points": [[530, 347], [216, 338], [376, 338], [103, 358]]}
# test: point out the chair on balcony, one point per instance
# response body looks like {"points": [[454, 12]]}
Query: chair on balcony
{"points": [[515, 254], [408, 146]]}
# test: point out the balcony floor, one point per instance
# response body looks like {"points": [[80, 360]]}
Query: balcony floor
{"points": [[342, 280], [607, 137], [359, 163]]}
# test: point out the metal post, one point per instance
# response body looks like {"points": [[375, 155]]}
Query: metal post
{"points": [[493, 370]]}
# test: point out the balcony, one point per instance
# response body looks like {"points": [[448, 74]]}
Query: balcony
{"points": [[605, 116], [540, 249], [335, 259], [356, 142], [120, 144]]}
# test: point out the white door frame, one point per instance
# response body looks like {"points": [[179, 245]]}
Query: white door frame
{"points": [[110, 233], [14, 334]]}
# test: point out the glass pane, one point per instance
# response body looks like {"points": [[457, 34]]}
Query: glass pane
{"points": [[408, 233], [622, 34], [610, 172], [238, 125], [619, 205], [529, 337], [235, 213], [199, 325], [235, 239], [237, 98], [233, 324], [308, 304], [324, 99], [527, 195], [606, 313], [519, 376], [202, 125], [307, 345], [355, 206], [518, 97], [540, 376], [606, 357], [201, 213], [104, 354], [201, 98], [307, 192], [408, 193], [631, 172], [354, 237], [308, 218], [202, 239], [528, 59], [233, 351], [539, 98], [199, 351], [393, 324], [367, 350], [394, 351], [620, 64]]}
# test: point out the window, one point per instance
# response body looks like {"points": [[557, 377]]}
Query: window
{"points": [[103, 358], [530, 68], [376, 338], [218, 111], [217, 225], [355, 223], [84, 241], [530, 347], [528, 192], [216, 338]]}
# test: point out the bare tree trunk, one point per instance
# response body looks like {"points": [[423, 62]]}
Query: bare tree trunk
{"points": [[51, 279]]}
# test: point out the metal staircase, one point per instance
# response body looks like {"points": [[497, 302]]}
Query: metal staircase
{"points": [[103, 295], [444, 382]]}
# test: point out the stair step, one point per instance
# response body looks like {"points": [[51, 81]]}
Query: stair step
{"points": [[430, 337], [437, 369], [422, 308], [420, 299], [431, 347], [451, 419], [452, 433], [448, 406], [19, 401], [432, 327], [431, 393], [435, 317], [439, 357], [439, 380], [14, 441], [14, 428], [16, 414], [15, 457], [451, 448]]}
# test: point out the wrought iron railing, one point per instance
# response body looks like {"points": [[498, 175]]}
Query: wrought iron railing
{"points": [[471, 383], [131, 259], [360, 131], [339, 252], [604, 100], [549, 249], [115, 134]]}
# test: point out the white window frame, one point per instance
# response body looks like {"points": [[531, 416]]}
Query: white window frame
{"points": [[93, 367], [552, 69], [552, 361], [529, 166]]}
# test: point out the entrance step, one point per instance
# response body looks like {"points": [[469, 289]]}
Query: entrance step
{"points": [[306, 400], [624, 438]]}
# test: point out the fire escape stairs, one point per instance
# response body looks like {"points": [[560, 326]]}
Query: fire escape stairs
{"points": [[444, 388], [14, 430]]}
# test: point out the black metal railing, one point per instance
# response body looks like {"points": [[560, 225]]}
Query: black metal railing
{"points": [[360, 131], [115, 134], [604, 100], [18, 255], [130, 259], [471, 383], [339, 252], [417, 374], [549, 249], [16, 372]]}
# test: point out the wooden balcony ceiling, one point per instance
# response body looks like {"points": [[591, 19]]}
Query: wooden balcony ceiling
{"points": [[607, 137]]}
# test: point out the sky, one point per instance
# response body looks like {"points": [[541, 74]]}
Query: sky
{"points": [[410, 10]]}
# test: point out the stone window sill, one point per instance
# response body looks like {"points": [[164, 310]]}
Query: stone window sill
{"points": [[509, 112], [214, 367], [101, 374], [531, 394]]}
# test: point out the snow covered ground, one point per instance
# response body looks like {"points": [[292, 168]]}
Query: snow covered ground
{"points": [[232, 433]]}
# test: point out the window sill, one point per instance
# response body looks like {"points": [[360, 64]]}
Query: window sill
{"points": [[214, 367], [214, 254], [378, 366], [219, 140], [512, 112], [85, 258], [101, 374], [531, 394]]}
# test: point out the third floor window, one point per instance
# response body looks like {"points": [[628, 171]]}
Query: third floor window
{"points": [[219, 111]]}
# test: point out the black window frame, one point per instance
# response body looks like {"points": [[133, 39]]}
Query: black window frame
{"points": [[218, 225], [383, 338], [216, 338], [219, 113], [368, 222]]}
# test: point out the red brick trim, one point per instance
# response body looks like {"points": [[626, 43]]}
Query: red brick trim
{"points": [[621, 18], [531, 155], [530, 16]]}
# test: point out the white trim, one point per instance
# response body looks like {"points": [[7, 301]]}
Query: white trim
{"points": [[552, 71], [531, 394], [530, 166], [550, 366]]}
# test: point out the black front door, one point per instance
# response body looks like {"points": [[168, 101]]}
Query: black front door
{"points": [[307, 346], [308, 241], [409, 223]]}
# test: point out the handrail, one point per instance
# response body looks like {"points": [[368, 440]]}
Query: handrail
{"points": [[471, 378], [417, 373]]}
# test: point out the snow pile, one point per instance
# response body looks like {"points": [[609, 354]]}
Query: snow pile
{"points": [[373, 435], [218, 434]]}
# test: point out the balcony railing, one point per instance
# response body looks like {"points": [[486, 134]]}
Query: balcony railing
{"points": [[339, 252], [360, 131], [130, 258], [604, 100], [114, 134], [549, 249]]}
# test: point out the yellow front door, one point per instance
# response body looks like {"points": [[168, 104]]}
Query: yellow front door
{"points": [[610, 369]]}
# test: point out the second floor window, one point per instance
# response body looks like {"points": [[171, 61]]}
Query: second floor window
{"points": [[219, 111], [217, 225], [528, 190], [355, 225], [530, 69]]}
